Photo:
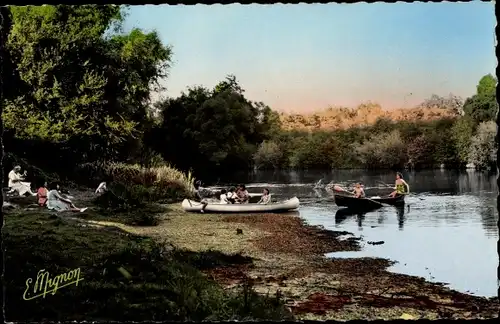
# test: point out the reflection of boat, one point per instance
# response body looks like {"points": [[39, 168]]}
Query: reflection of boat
{"points": [[367, 204], [343, 213], [193, 206]]}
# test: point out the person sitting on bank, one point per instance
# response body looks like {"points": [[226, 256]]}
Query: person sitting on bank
{"points": [[358, 191], [266, 197], [399, 186], [56, 202], [17, 183], [242, 195], [42, 195]]}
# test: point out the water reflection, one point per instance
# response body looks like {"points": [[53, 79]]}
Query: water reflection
{"points": [[401, 215], [458, 206]]}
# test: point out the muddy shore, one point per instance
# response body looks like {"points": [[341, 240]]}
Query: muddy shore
{"points": [[279, 254], [288, 259]]}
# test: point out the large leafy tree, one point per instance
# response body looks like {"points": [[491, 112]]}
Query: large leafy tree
{"points": [[214, 128], [483, 106], [83, 85]]}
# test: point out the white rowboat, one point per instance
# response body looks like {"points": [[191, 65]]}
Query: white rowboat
{"points": [[193, 206]]}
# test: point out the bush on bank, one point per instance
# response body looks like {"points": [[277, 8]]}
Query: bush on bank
{"points": [[158, 182], [454, 142]]}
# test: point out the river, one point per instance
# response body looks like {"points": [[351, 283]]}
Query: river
{"points": [[447, 232]]}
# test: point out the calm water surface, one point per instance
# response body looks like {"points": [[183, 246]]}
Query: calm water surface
{"points": [[447, 231]]}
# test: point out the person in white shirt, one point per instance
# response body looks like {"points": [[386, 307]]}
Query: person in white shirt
{"points": [[102, 188], [266, 197], [231, 195], [17, 183], [223, 197]]}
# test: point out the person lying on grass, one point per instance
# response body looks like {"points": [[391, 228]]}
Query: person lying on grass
{"points": [[56, 202]]}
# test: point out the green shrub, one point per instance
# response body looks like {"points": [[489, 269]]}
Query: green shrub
{"points": [[483, 150], [383, 151], [155, 183]]}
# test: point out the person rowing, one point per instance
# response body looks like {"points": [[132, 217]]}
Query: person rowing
{"points": [[358, 191], [399, 186]]}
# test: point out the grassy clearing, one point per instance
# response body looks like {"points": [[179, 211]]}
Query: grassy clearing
{"points": [[165, 283]]}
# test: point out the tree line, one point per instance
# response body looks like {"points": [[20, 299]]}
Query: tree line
{"points": [[78, 91]]}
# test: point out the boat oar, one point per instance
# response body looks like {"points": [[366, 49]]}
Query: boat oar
{"points": [[338, 188], [405, 193]]}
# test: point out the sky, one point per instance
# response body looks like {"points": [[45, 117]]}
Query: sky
{"points": [[307, 57]]}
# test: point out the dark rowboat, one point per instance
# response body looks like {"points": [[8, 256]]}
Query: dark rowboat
{"points": [[367, 204], [398, 200]]}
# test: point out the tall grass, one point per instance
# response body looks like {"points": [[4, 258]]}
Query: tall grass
{"points": [[161, 178], [164, 176]]}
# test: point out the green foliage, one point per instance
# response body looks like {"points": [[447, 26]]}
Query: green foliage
{"points": [[81, 87], [383, 151], [483, 151], [268, 155], [155, 183], [483, 106], [462, 132], [218, 127]]}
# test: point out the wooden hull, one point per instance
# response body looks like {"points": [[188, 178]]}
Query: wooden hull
{"points": [[291, 204], [396, 201], [365, 204]]}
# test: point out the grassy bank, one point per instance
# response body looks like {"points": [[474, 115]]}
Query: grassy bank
{"points": [[126, 276]]}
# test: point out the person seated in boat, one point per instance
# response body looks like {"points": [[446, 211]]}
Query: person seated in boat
{"points": [[231, 195], [399, 186], [56, 202], [42, 195], [358, 191], [17, 183], [223, 197], [242, 195], [198, 195], [266, 197]]}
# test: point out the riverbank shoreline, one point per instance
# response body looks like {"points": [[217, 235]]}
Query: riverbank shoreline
{"points": [[280, 255], [341, 289], [288, 260]]}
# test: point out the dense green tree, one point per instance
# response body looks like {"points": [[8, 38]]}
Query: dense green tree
{"points": [[483, 106], [483, 151], [462, 132], [84, 87], [214, 128]]}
